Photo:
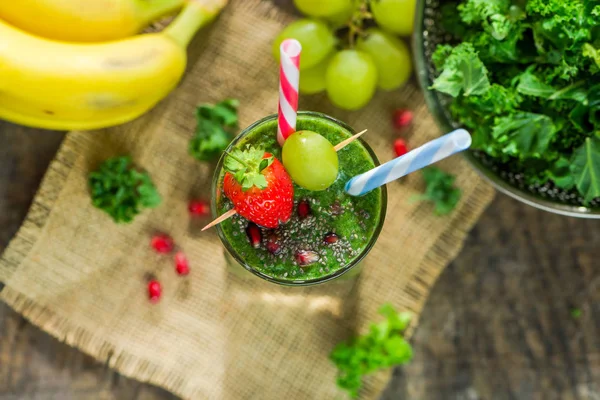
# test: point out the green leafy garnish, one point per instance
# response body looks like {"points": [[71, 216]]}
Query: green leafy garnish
{"points": [[531, 85], [121, 191], [525, 78], [382, 347], [576, 313], [462, 72], [216, 127], [586, 169], [247, 166], [525, 134], [440, 189]]}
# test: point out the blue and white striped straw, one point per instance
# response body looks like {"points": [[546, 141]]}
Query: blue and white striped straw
{"points": [[421, 157]]}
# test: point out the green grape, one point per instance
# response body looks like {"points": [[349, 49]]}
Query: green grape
{"points": [[311, 160], [312, 80], [390, 55], [396, 16], [340, 20], [320, 8], [316, 39], [351, 79]]}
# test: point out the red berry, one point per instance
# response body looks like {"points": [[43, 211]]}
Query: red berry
{"points": [[199, 208], [254, 235], [268, 206], [306, 257], [273, 244], [162, 243], [400, 147], [402, 118], [182, 265], [303, 209], [154, 291], [331, 238]]}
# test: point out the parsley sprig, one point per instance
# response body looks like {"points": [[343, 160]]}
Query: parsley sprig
{"points": [[382, 347], [440, 190], [121, 191], [216, 127]]}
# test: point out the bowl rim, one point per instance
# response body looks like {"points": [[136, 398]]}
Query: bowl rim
{"points": [[442, 122]]}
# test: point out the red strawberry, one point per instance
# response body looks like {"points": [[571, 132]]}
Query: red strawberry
{"points": [[259, 187]]}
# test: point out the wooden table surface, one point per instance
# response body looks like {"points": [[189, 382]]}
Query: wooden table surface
{"points": [[498, 324]]}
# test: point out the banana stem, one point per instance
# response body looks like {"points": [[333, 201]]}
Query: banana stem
{"points": [[151, 10], [194, 16]]}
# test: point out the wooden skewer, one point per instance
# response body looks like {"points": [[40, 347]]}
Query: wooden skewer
{"points": [[232, 212], [346, 142], [222, 218]]}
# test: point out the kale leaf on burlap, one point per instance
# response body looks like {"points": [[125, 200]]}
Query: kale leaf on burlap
{"points": [[215, 128], [121, 191], [382, 347]]}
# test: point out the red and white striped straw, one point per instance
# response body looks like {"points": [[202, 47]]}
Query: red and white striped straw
{"points": [[289, 80]]}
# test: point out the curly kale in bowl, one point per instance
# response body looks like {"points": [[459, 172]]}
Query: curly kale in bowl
{"points": [[525, 78]]}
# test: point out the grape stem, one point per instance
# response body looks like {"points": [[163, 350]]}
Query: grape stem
{"points": [[357, 22]]}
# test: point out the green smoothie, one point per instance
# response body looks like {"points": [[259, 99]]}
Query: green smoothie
{"points": [[329, 232]]}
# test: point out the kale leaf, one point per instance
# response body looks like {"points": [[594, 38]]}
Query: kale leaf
{"points": [[440, 189], [382, 347], [462, 72], [121, 191], [215, 129], [585, 168], [525, 80]]}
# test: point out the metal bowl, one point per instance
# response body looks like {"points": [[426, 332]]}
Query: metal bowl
{"points": [[428, 34]]}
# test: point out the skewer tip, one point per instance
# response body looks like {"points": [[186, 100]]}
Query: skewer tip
{"points": [[346, 142]]}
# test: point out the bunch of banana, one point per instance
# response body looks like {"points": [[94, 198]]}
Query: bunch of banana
{"points": [[65, 85], [85, 20]]}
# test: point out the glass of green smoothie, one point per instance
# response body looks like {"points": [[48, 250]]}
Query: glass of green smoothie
{"points": [[329, 232]]}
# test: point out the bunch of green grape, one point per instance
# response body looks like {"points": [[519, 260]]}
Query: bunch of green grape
{"points": [[366, 58]]}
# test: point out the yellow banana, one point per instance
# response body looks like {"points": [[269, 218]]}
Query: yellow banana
{"points": [[64, 86], [85, 20]]}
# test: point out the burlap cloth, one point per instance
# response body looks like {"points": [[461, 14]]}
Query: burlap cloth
{"points": [[216, 335]]}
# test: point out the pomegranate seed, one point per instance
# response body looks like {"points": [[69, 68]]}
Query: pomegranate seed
{"points": [[162, 243], [154, 291], [331, 238], [254, 235], [273, 245], [402, 118], [400, 147], [182, 266], [304, 209], [306, 257], [199, 208]]}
